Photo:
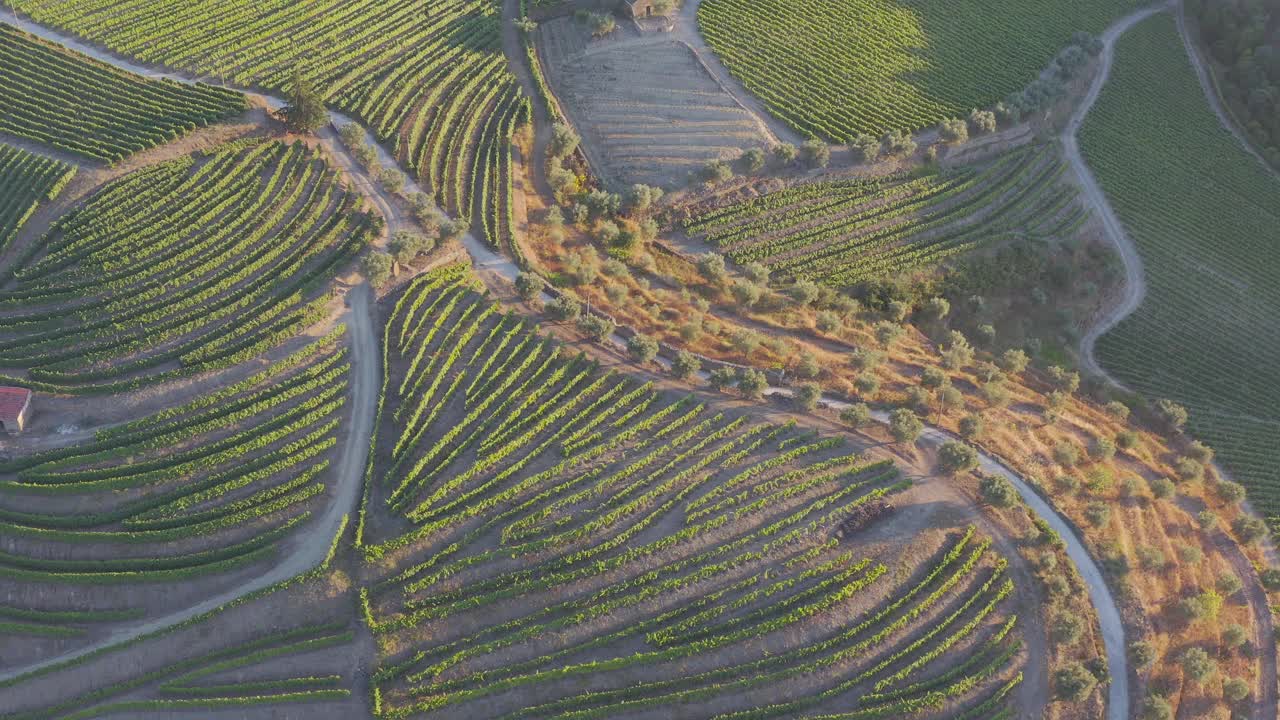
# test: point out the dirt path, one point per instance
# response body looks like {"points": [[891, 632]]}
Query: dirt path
{"points": [[1199, 64], [518, 62], [1135, 286]]}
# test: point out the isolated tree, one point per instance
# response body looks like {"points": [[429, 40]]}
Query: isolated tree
{"points": [[752, 383], [934, 378], [1073, 682], [814, 153], [405, 245], [1228, 584], [982, 122], [867, 385], [745, 293], [971, 426], [715, 172], [1097, 513], [1126, 439], [751, 160], [865, 148], [1197, 664], [642, 348], [1014, 361], [856, 415], [712, 267], [305, 113], [806, 395], [745, 341], [804, 292], [1229, 491], [1066, 627], [563, 141], [950, 399], [376, 267], [642, 197], [958, 353], [529, 285], [596, 327], [1173, 415], [1234, 690], [887, 332], [686, 365], [723, 377], [997, 491], [565, 307], [1155, 707], [953, 130], [865, 359], [905, 426], [756, 273], [1101, 448], [954, 457], [1234, 636], [1249, 529], [786, 153], [1142, 654], [1162, 488], [898, 143]]}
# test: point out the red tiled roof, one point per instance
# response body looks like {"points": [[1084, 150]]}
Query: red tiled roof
{"points": [[12, 401]]}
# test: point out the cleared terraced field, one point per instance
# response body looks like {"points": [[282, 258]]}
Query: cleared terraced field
{"points": [[836, 69], [1207, 224], [648, 111], [26, 180], [844, 232], [575, 543], [70, 102], [429, 80], [195, 264], [154, 514]]}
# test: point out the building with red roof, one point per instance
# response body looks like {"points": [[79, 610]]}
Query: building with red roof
{"points": [[15, 408]]}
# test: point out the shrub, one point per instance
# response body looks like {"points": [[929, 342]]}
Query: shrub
{"points": [[807, 366], [686, 365], [1118, 410], [1200, 452], [1066, 454], [1189, 555], [1073, 682], [1151, 558], [563, 141], [958, 353], [1155, 707], [711, 266], [867, 385], [377, 268], [642, 348], [856, 415], [1228, 584], [866, 359], [529, 285], [934, 378], [997, 491], [1014, 361], [1197, 664], [1232, 492], [715, 172], [752, 383], [1066, 627], [953, 130], [745, 293], [745, 341], [1162, 487], [1270, 578], [1126, 439], [1097, 513], [596, 327], [1202, 606], [865, 148], [1234, 690], [898, 143], [950, 399], [954, 457], [904, 425], [751, 160], [982, 121], [723, 377], [1102, 449], [1142, 654], [887, 333], [405, 246], [827, 322], [971, 426], [814, 153], [786, 153], [1171, 414], [1249, 529], [565, 307], [806, 395], [1234, 636], [1188, 470]]}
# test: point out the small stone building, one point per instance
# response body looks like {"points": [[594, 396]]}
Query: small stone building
{"points": [[638, 8], [15, 408]]}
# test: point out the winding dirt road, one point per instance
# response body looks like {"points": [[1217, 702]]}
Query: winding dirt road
{"points": [[1135, 285]]}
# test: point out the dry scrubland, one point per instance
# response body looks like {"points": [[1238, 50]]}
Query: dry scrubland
{"points": [[648, 109]]}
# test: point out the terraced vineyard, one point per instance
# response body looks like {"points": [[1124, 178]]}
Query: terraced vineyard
{"points": [[429, 80], [647, 108], [148, 515], [70, 102], [847, 231], [191, 265], [26, 180], [1207, 224], [580, 545], [836, 69]]}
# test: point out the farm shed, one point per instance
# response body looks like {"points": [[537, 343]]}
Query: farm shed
{"points": [[15, 407]]}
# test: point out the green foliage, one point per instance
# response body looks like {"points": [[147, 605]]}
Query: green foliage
{"points": [[1073, 682], [954, 457]]}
